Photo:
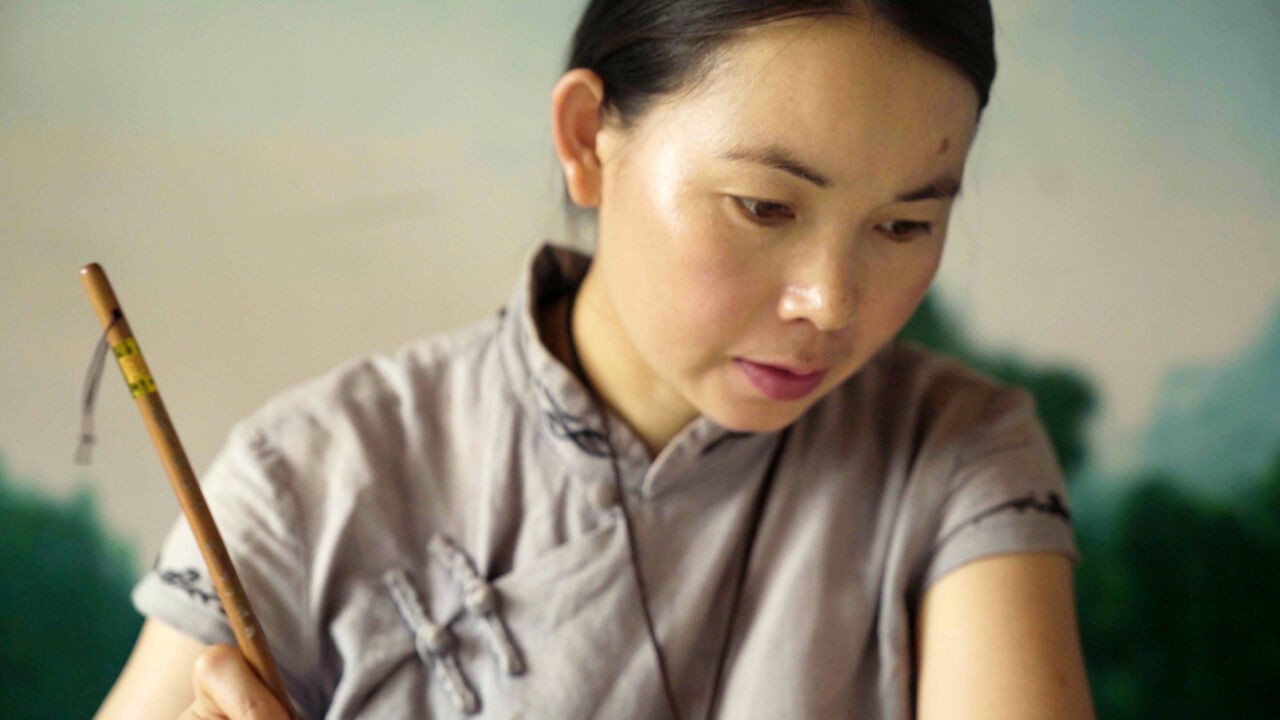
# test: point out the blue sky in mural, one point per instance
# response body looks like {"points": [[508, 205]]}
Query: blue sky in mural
{"points": [[1121, 213], [1140, 139], [1219, 425]]}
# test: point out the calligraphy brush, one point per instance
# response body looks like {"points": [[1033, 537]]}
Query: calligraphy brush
{"points": [[244, 624]]}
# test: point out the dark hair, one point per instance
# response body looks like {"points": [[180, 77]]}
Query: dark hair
{"points": [[644, 49]]}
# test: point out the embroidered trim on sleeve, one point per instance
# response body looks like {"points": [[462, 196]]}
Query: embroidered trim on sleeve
{"points": [[188, 580], [1052, 504]]}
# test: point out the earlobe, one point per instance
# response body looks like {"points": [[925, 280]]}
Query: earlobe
{"points": [[576, 114]]}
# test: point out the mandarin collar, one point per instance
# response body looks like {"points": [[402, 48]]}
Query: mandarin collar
{"points": [[561, 405]]}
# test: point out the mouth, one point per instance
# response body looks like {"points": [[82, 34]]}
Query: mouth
{"points": [[781, 382]]}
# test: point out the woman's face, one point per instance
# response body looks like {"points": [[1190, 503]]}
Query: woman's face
{"points": [[762, 236]]}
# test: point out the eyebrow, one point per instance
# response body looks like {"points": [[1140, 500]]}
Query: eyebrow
{"points": [[780, 158]]}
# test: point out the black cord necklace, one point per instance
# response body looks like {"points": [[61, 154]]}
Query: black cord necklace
{"points": [[752, 531]]}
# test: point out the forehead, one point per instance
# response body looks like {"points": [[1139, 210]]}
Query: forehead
{"points": [[852, 92]]}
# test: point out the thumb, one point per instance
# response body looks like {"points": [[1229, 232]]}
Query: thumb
{"points": [[227, 688]]}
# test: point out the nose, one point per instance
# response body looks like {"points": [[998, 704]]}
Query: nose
{"points": [[822, 288]]}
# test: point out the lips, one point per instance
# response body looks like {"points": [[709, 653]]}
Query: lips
{"points": [[780, 383]]}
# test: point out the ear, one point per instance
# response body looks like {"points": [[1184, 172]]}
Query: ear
{"points": [[576, 120]]}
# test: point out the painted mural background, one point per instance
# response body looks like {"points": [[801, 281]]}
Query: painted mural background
{"points": [[276, 187]]}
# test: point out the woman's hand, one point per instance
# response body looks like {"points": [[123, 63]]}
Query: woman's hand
{"points": [[172, 675], [226, 688]]}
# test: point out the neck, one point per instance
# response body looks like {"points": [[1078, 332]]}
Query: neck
{"points": [[625, 383]]}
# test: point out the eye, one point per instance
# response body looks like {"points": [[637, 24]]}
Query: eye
{"points": [[905, 230], [764, 211]]}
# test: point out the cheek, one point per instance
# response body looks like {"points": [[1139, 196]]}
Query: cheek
{"points": [[709, 288], [899, 291], [686, 281], [692, 287], [718, 305], [921, 279]]}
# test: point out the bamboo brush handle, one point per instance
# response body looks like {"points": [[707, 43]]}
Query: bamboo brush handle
{"points": [[244, 624]]}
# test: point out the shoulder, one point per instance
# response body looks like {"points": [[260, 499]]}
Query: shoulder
{"points": [[922, 402], [370, 381], [977, 471], [374, 434], [940, 385], [378, 401], [965, 457]]}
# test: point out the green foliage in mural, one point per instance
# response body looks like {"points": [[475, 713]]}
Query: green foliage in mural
{"points": [[1179, 604], [1064, 398], [66, 624]]}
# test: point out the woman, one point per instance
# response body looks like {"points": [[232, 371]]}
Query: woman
{"points": [[692, 476]]}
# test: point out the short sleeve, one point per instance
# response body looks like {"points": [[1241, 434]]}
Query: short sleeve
{"points": [[248, 493], [1005, 493]]}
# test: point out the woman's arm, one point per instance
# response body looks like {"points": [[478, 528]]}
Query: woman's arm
{"points": [[170, 675], [998, 639], [156, 682]]}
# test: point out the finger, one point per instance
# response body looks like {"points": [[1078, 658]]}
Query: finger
{"points": [[225, 686]]}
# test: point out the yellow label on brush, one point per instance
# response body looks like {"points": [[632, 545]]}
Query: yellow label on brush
{"points": [[136, 374]]}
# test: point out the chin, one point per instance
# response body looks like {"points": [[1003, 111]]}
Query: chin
{"points": [[758, 419]]}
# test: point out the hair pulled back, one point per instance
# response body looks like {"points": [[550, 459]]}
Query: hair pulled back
{"points": [[644, 49]]}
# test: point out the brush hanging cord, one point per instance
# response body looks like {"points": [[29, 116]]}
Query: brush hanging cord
{"points": [[89, 394]]}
